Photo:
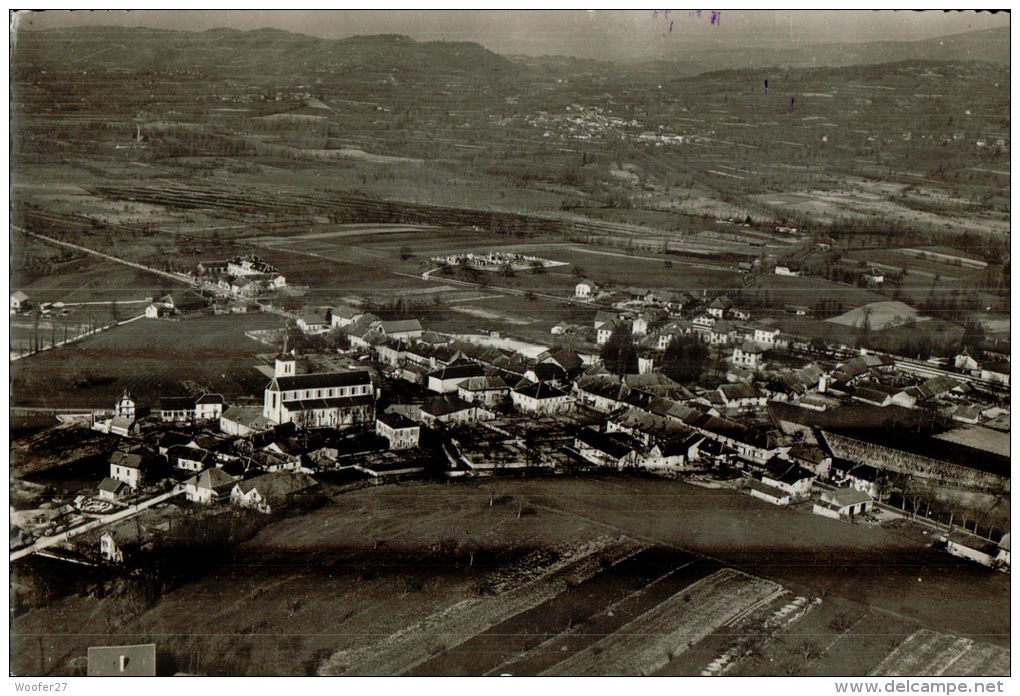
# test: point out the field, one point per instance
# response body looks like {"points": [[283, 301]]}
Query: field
{"points": [[152, 358], [550, 575]]}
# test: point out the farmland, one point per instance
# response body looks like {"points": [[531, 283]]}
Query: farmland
{"points": [[556, 575], [151, 358]]}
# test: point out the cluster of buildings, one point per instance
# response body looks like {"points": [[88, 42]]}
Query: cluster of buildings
{"points": [[493, 260], [245, 276]]}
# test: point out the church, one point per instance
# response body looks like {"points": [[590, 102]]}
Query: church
{"points": [[319, 399]]}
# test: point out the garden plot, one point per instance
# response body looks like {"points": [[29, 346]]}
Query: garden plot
{"points": [[651, 641], [928, 653], [528, 584]]}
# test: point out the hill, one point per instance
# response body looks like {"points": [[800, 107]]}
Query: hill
{"points": [[232, 52]]}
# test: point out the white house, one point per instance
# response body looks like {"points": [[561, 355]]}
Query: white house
{"points": [[605, 449], [770, 494], [541, 399], [603, 333], [313, 323], [765, 334], [996, 372], [784, 271], [112, 489], [343, 315], [402, 432], [490, 391], [747, 355], [842, 503], [269, 491], [787, 476], [19, 301], [208, 407], [128, 467], [209, 486], [719, 306], [585, 290], [639, 327], [451, 410]]}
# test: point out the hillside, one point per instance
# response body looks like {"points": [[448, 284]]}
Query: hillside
{"points": [[243, 53]]}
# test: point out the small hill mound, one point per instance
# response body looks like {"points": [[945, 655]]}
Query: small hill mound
{"points": [[882, 315]]}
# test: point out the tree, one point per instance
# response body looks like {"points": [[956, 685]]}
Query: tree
{"points": [[537, 266], [618, 354], [685, 358]]}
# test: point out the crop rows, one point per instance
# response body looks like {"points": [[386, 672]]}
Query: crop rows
{"points": [[519, 591], [649, 642], [928, 653]]}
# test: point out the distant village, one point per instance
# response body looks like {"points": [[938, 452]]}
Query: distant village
{"points": [[391, 399]]}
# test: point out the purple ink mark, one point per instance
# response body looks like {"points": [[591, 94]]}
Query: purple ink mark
{"points": [[716, 17], [671, 26]]}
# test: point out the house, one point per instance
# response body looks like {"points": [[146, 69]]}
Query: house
{"points": [[639, 326], [451, 410], [320, 399], [272, 491], [672, 454], [242, 421], [842, 503], [719, 306], [447, 380], [602, 393], [602, 317], [177, 408], [585, 290], [785, 271], [401, 431], [861, 477], [343, 315], [873, 277], [128, 467], [113, 489], [131, 537], [121, 661], [741, 396], [798, 310], [541, 399], [740, 314], [19, 302], [765, 333], [605, 449], [568, 360], [812, 458], [489, 391], [208, 407], [313, 323], [546, 372], [209, 486], [559, 329], [401, 329], [967, 413], [996, 371], [189, 458], [770, 494], [748, 355], [603, 333], [787, 476]]}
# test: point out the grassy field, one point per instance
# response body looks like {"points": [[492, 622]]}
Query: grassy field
{"points": [[517, 567], [151, 358]]}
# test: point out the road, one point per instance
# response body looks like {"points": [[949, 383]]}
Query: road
{"points": [[46, 542]]}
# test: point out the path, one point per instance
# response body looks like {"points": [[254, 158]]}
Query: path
{"points": [[46, 542], [693, 264]]}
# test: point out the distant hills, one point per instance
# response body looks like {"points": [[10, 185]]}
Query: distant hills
{"points": [[262, 51], [270, 51]]}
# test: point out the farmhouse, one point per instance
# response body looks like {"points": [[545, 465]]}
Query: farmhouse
{"points": [[128, 467], [602, 317], [975, 548], [787, 476], [770, 494], [546, 372], [451, 409], [242, 421], [603, 333], [112, 489], [342, 315], [272, 490], [210, 486], [19, 302], [673, 453], [719, 306], [842, 503], [541, 399], [321, 399], [488, 391], [448, 379], [605, 449], [186, 408], [747, 355], [404, 328], [189, 458], [585, 290], [402, 432], [313, 323], [741, 396]]}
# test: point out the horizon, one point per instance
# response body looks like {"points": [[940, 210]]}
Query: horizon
{"points": [[600, 35]]}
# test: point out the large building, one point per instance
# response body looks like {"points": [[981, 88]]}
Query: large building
{"points": [[321, 399]]}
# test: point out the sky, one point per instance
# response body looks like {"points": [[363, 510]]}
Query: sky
{"points": [[580, 33]]}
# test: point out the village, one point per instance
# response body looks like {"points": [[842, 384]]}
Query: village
{"points": [[356, 399]]}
